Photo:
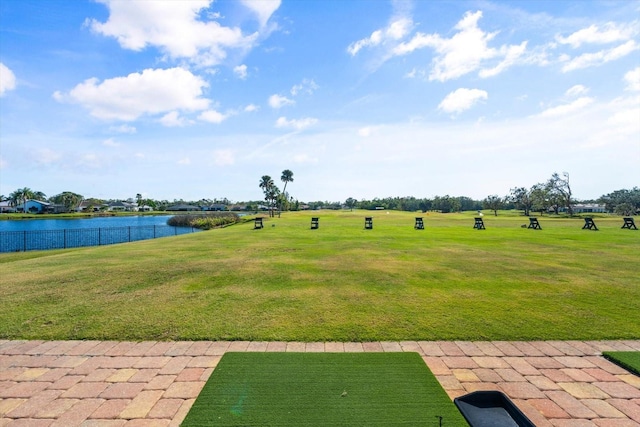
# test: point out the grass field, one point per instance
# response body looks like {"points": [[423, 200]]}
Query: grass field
{"points": [[340, 282]]}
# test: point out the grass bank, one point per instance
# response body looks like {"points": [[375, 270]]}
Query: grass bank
{"points": [[340, 282]]}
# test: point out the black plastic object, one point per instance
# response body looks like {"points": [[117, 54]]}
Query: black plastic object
{"points": [[491, 409]]}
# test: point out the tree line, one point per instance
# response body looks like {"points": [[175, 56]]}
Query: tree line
{"points": [[554, 195]]}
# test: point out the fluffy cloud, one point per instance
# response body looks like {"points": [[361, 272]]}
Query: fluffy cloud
{"points": [[576, 90], [7, 79], [633, 79], [563, 110], [212, 116], [598, 58], [151, 92], [299, 124], [251, 107], [611, 33], [173, 119], [307, 86], [461, 99], [396, 30], [278, 101], [240, 71], [464, 52], [262, 8], [177, 28], [123, 129]]}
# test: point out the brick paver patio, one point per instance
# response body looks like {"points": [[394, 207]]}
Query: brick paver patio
{"points": [[103, 383]]}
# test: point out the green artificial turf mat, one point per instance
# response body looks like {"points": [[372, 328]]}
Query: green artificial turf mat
{"points": [[323, 389], [630, 360]]}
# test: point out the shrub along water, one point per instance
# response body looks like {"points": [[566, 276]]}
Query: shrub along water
{"points": [[204, 221]]}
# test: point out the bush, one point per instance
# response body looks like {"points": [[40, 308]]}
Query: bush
{"points": [[204, 221]]}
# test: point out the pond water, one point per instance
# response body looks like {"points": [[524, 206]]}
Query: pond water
{"points": [[41, 234], [75, 223]]}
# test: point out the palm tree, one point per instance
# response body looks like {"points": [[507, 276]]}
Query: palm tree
{"points": [[21, 195], [270, 191], [286, 177]]}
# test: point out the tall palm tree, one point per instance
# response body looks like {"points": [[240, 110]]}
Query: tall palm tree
{"points": [[270, 191], [21, 195], [286, 177]]}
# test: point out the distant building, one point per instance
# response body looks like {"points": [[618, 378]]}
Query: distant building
{"points": [[589, 208], [183, 208], [6, 207]]}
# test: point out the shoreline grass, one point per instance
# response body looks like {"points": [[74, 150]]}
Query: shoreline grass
{"points": [[338, 283]]}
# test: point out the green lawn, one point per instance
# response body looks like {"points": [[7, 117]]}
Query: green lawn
{"points": [[340, 282], [322, 389]]}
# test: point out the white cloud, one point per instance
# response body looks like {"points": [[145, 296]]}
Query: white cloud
{"points": [[262, 8], [111, 143], [397, 29], [151, 92], [364, 132], [223, 157], [240, 71], [304, 158], [173, 119], [307, 86], [462, 99], [185, 161], [7, 79], [609, 34], [123, 129], [464, 52], [46, 156], [212, 116], [576, 90], [563, 110], [278, 101], [298, 124], [598, 58], [633, 79], [176, 28], [251, 107]]}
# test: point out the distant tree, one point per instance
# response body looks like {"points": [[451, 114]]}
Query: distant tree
{"points": [[619, 197], [139, 200], [521, 197], [21, 195], [286, 177], [493, 203], [271, 192], [625, 209], [351, 203], [560, 191], [68, 199], [540, 201]]}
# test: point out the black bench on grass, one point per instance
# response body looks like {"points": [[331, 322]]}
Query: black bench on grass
{"points": [[315, 223], [479, 225], [257, 223], [533, 223], [589, 224], [629, 223], [419, 223]]}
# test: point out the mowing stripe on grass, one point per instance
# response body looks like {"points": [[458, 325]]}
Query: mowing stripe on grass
{"points": [[322, 389], [629, 360]]}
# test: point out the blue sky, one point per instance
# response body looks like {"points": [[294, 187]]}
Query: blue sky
{"points": [[360, 98]]}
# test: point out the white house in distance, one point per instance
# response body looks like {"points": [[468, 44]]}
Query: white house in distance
{"points": [[589, 208]]}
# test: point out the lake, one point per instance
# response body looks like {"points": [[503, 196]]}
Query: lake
{"points": [[75, 223], [41, 234]]}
